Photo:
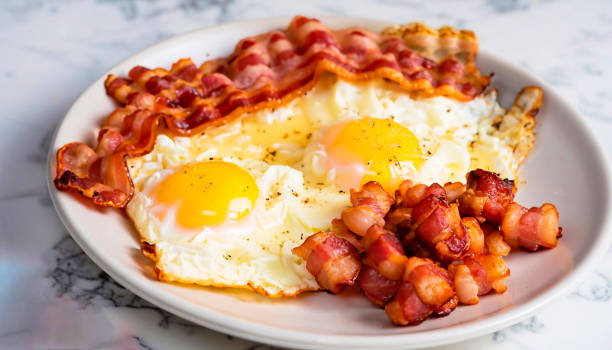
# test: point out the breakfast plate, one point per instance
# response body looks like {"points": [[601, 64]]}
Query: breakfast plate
{"points": [[566, 167]]}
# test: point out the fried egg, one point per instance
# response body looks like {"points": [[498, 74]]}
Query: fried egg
{"points": [[224, 208]]}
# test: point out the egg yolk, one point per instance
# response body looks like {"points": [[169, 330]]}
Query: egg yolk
{"points": [[366, 149], [208, 193]]}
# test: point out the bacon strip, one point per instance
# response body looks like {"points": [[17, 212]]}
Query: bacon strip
{"points": [[264, 71], [332, 260]]}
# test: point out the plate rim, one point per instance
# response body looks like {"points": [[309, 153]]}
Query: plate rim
{"points": [[304, 339]]}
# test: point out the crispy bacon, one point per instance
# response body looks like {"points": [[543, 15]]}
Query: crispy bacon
{"points": [[533, 228], [428, 221], [438, 226], [486, 196], [466, 287], [413, 247], [369, 207], [399, 219], [339, 229], [478, 275], [477, 237], [407, 308], [384, 252], [426, 289], [376, 287], [424, 218], [454, 190], [264, 71], [397, 272], [409, 196], [332, 260], [495, 244]]}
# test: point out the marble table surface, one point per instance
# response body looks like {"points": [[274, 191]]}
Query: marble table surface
{"points": [[53, 297]]}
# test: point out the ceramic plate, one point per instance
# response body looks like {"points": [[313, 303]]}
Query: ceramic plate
{"points": [[566, 167]]}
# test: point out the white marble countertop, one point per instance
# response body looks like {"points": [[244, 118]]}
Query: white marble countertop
{"points": [[53, 297]]}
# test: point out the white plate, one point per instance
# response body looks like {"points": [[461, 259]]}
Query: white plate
{"points": [[566, 167]]}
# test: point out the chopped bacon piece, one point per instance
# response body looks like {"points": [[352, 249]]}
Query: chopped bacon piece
{"points": [[413, 247], [377, 287], [370, 205], [432, 282], [495, 244], [486, 196], [454, 190], [406, 307], [360, 219], [531, 228], [478, 275], [477, 238], [399, 219], [339, 229], [333, 261], [466, 286], [409, 196], [495, 269], [438, 226], [384, 252], [426, 289], [373, 195]]}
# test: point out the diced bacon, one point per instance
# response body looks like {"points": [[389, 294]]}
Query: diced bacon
{"points": [[477, 238], [465, 285], [495, 244], [426, 289], [370, 205], [409, 196], [454, 190], [438, 226], [339, 229], [406, 308], [332, 260], [489, 272], [360, 219], [384, 252], [486, 197], [374, 196], [531, 229], [376, 287]]}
